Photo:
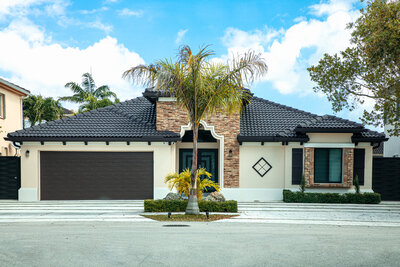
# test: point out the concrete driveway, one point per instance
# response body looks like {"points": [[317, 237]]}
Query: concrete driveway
{"points": [[198, 244]]}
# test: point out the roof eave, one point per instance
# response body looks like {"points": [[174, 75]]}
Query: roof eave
{"points": [[93, 139], [15, 87], [368, 139], [328, 130], [241, 139]]}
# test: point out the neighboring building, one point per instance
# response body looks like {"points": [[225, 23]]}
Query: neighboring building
{"points": [[378, 150], [11, 96], [392, 146], [125, 151]]}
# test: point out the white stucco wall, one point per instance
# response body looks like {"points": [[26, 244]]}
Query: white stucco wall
{"points": [[164, 162]]}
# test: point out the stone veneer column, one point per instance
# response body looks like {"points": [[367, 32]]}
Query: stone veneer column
{"points": [[309, 166], [171, 118], [348, 161]]}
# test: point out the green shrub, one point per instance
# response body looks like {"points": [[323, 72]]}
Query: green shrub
{"points": [[356, 184], [162, 205], [302, 183], [301, 197]]}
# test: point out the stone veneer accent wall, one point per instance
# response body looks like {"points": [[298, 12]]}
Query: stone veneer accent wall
{"points": [[347, 169], [171, 118]]}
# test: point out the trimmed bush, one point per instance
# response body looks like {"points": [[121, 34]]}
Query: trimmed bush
{"points": [[300, 197], [162, 205]]}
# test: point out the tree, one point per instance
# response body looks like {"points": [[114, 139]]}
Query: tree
{"points": [[202, 88], [369, 68], [88, 95], [38, 109]]}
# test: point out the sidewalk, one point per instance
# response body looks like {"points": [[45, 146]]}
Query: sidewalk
{"points": [[384, 214]]}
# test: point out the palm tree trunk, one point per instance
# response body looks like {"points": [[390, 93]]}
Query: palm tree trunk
{"points": [[193, 205]]}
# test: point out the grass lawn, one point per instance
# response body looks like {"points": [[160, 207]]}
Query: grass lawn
{"points": [[189, 218]]}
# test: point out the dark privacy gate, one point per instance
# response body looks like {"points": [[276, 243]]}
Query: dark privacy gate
{"points": [[10, 177], [386, 178]]}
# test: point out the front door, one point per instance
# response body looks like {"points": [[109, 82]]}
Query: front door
{"points": [[207, 158]]}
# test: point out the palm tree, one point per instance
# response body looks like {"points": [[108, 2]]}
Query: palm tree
{"points": [[203, 88], [89, 95], [38, 109]]}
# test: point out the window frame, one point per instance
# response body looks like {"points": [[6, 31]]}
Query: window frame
{"points": [[2, 106], [341, 166]]}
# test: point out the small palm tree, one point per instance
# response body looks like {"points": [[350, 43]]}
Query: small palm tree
{"points": [[38, 109], [202, 88], [181, 181], [89, 95]]}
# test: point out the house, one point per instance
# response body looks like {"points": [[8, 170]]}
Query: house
{"points": [[11, 117], [125, 151]]}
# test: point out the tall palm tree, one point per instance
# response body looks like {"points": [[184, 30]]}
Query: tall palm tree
{"points": [[202, 87], [89, 95], [38, 109]]}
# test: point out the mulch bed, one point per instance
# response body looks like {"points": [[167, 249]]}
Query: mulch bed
{"points": [[189, 218]]}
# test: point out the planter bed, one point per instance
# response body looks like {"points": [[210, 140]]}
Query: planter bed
{"points": [[189, 218], [161, 205], [353, 198]]}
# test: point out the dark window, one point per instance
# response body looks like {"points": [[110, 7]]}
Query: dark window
{"points": [[328, 165], [359, 165], [297, 165], [2, 106], [204, 137]]}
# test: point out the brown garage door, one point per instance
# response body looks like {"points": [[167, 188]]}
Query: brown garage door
{"points": [[96, 175]]}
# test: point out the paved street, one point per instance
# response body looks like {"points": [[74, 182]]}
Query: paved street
{"points": [[199, 244]]}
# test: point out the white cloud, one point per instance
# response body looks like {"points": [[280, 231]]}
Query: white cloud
{"points": [[289, 52], [98, 25], [34, 61], [93, 11], [128, 12], [180, 35], [19, 8], [332, 7]]}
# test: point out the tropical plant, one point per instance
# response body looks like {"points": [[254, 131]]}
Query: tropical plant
{"points": [[181, 182], [201, 87], [38, 109], [368, 69], [302, 183], [88, 95]]}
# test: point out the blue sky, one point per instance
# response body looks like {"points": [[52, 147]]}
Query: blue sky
{"points": [[47, 43]]}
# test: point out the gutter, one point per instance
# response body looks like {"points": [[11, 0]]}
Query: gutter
{"points": [[99, 139], [328, 130]]}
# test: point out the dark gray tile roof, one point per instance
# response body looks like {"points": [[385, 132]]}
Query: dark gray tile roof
{"points": [[135, 120], [264, 120], [130, 120]]}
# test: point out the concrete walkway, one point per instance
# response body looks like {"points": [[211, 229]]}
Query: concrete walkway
{"points": [[384, 214]]}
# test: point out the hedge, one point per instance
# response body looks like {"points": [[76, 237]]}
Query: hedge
{"points": [[162, 205], [299, 197]]}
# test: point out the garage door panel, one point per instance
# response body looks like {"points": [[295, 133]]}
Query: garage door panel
{"points": [[96, 175]]}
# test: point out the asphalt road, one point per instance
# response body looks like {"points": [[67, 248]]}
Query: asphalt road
{"points": [[199, 244]]}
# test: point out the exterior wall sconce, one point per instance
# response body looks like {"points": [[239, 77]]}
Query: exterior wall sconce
{"points": [[230, 153], [27, 153]]}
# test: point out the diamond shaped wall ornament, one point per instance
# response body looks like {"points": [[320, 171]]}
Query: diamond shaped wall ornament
{"points": [[262, 167]]}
